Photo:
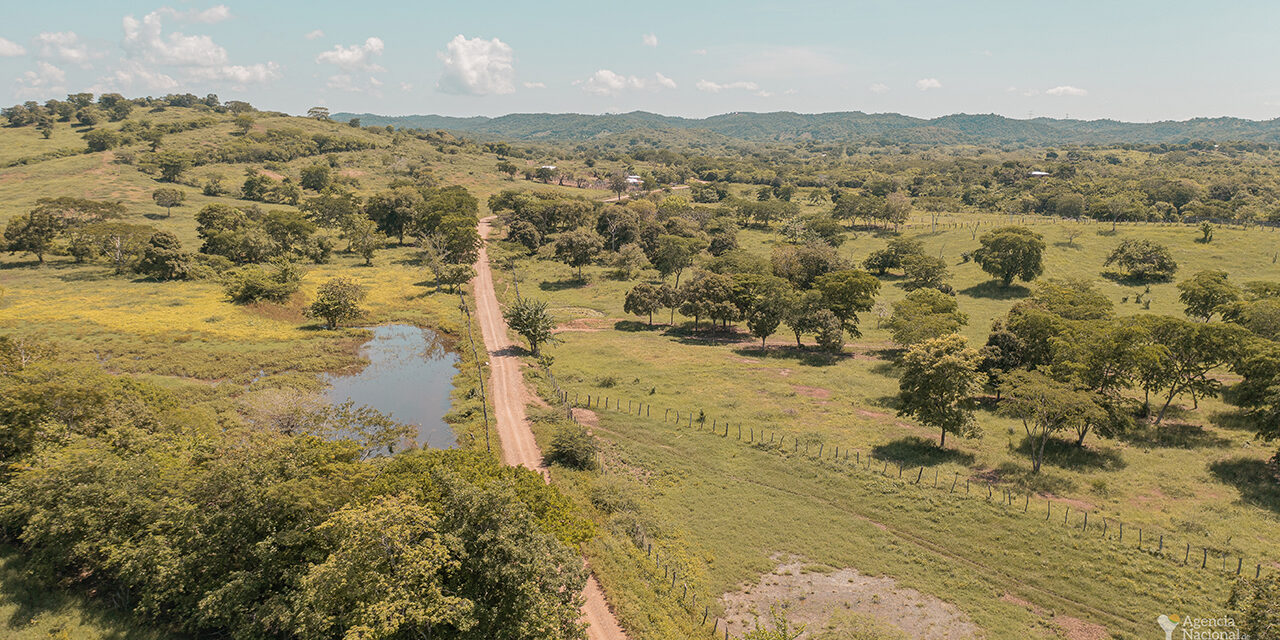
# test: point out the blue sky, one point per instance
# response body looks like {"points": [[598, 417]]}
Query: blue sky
{"points": [[1128, 60]]}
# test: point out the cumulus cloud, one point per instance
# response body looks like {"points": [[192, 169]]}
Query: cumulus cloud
{"points": [[44, 80], [649, 39], [10, 49], [607, 83], [64, 46], [534, 85], [477, 67], [198, 57], [318, 33], [357, 57], [716, 87], [133, 74], [925, 84], [212, 15], [878, 88], [1066, 90]]}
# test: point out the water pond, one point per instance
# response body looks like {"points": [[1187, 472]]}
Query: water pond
{"points": [[409, 377]]}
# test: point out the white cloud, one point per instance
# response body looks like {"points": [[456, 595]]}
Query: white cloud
{"points": [[198, 57], [357, 57], [535, 85], [699, 52], [1066, 90], [46, 79], [925, 84], [477, 67], [878, 88], [607, 83], [649, 40], [10, 49], [134, 74], [64, 46], [212, 15], [716, 87], [405, 86], [318, 33]]}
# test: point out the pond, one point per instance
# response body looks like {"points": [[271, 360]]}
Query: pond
{"points": [[409, 377]]}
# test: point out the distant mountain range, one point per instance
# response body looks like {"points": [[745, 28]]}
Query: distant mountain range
{"points": [[785, 126]]}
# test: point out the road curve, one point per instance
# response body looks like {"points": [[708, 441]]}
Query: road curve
{"points": [[507, 389]]}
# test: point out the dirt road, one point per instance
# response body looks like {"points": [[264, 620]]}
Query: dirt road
{"points": [[506, 387]]}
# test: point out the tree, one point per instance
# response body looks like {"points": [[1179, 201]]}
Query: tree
{"points": [[507, 167], [318, 113], [828, 331], [1143, 260], [164, 259], [644, 299], [847, 292], [362, 237], [1046, 407], [120, 242], [168, 198], [315, 177], [923, 315], [1104, 358], [893, 255], [243, 123], [172, 165], [255, 283], [101, 140], [897, 208], [1206, 293], [578, 247], [708, 295], [1011, 252], [572, 446], [925, 272], [1187, 352], [803, 315], [675, 254], [337, 301], [939, 380], [530, 319], [385, 574], [802, 264], [629, 261], [33, 233], [618, 184]]}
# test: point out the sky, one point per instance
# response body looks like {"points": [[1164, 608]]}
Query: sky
{"points": [[1133, 60]]}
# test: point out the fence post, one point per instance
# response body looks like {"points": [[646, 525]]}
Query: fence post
{"points": [[953, 482], [820, 446], [1028, 504], [1048, 511], [920, 475], [1239, 564], [1161, 547], [1086, 522], [665, 414]]}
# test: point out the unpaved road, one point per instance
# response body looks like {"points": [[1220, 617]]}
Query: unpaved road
{"points": [[506, 388]]}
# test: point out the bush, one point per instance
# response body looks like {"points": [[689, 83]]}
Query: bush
{"points": [[255, 283], [572, 446]]}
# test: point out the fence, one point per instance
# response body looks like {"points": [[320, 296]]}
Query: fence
{"points": [[1146, 540]]}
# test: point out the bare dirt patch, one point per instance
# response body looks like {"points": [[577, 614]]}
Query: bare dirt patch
{"points": [[1078, 504], [586, 417], [813, 597], [812, 392], [867, 413], [587, 325], [747, 360], [1077, 629], [271, 174]]}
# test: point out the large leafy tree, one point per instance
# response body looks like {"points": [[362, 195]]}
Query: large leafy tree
{"points": [[32, 233], [923, 315], [1011, 252], [1206, 293], [1186, 352], [1046, 407], [337, 301], [578, 247], [846, 293], [643, 299], [674, 254], [1143, 260], [940, 379]]}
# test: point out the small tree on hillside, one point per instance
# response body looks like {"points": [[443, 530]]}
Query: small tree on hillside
{"points": [[33, 233], [1143, 260], [168, 198], [337, 301], [847, 292], [644, 299], [939, 380], [1206, 293], [362, 237], [172, 165], [578, 247], [530, 319], [507, 167], [1011, 252]]}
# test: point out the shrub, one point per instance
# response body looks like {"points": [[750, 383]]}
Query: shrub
{"points": [[254, 283], [572, 446]]}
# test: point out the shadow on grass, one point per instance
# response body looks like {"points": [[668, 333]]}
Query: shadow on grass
{"points": [[1067, 455], [561, 285], [994, 290], [803, 355], [1021, 476], [1128, 280], [915, 451], [1063, 244], [34, 595], [1234, 420], [634, 326], [1257, 481], [1173, 435]]}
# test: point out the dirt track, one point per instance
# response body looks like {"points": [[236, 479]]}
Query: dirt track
{"points": [[506, 388]]}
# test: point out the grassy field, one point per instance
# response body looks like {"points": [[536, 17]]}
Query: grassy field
{"points": [[722, 512], [729, 512]]}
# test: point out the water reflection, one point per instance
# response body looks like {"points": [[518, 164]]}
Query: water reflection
{"points": [[409, 377]]}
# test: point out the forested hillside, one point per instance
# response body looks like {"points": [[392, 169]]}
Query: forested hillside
{"points": [[853, 126]]}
